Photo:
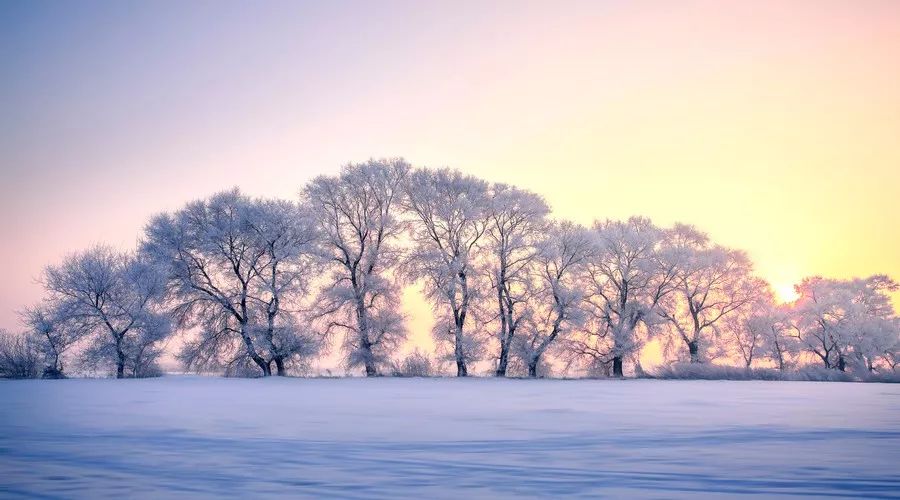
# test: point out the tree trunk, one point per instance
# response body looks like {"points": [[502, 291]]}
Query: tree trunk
{"points": [[461, 369], [842, 364], [504, 346], [263, 365], [617, 367], [504, 360], [532, 366], [279, 365], [694, 349], [371, 370], [120, 363]]}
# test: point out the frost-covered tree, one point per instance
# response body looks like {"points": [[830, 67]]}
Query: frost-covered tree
{"points": [[844, 321], [286, 234], [53, 335], [110, 298], [760, 330], [450, 213], [556, 305], [19, 356], [230, 264], [630, 273], [772, 325], [711, 283], [515, 222], [357, 215]]}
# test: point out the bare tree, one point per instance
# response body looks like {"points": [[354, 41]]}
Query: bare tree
{"points": [[515, 221], [630, 272], [450, 211], [357, 217], [556, 306], [110, 298]]}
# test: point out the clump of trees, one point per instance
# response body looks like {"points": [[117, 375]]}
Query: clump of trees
{"points": [[265, 287]]}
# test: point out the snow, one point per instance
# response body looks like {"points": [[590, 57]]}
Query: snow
{"points": [[194, 437]]}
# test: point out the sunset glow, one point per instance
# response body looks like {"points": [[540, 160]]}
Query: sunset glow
{"points": [[771, 125], [449, 248], [785, 293]]}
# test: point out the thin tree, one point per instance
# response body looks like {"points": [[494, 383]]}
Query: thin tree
{"points": [[450, 211], [515, 222], [357, 217], [557, 306]]}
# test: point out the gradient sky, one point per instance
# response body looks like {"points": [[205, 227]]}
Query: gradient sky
{"points": [[774, 126]]}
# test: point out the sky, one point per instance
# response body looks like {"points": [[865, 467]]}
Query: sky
{"points": [[774, 126]]}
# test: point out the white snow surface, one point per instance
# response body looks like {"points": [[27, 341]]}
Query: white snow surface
{"points": [[182, 436]]}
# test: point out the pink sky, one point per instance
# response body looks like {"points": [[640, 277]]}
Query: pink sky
{"points": [[772, 125]]}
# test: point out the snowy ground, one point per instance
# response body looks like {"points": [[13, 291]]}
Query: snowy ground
{"points": [[443, 438]]}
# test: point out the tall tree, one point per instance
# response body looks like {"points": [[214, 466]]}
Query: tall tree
{"points": [[630, 272], [515, 222], [557, 304], [357, 215], [450, 211], [711, 283], [286, 234]]}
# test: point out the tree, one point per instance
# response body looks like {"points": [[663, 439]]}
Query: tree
{"points": [[54, 336], [450, 211], [773, 325], [515, 220], [287, 236], [557, 304], [19, 356], [630, 274], [110, 298], [711, 283], [230, 262], [357, 217], [761, 329], [840, 321]]}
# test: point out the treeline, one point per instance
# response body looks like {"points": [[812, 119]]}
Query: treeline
{"points": [[264, 287]]}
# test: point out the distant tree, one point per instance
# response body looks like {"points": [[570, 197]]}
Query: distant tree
{"points": [[230, 263], [54, 336], [19, 356], [761, 329], [450, 211], [357, 215], [557, 304], [771, 325], [515, 222], [711, 283], [111, 299], [630, 273], [840, 321]]}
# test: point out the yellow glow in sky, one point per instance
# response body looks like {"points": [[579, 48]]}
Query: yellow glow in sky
{"points": [[774, 126]]}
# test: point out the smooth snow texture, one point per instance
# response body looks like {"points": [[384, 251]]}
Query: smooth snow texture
{"points": [[443, 438]]}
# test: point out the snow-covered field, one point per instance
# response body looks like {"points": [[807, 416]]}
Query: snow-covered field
{"points": [[443, 438]]}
